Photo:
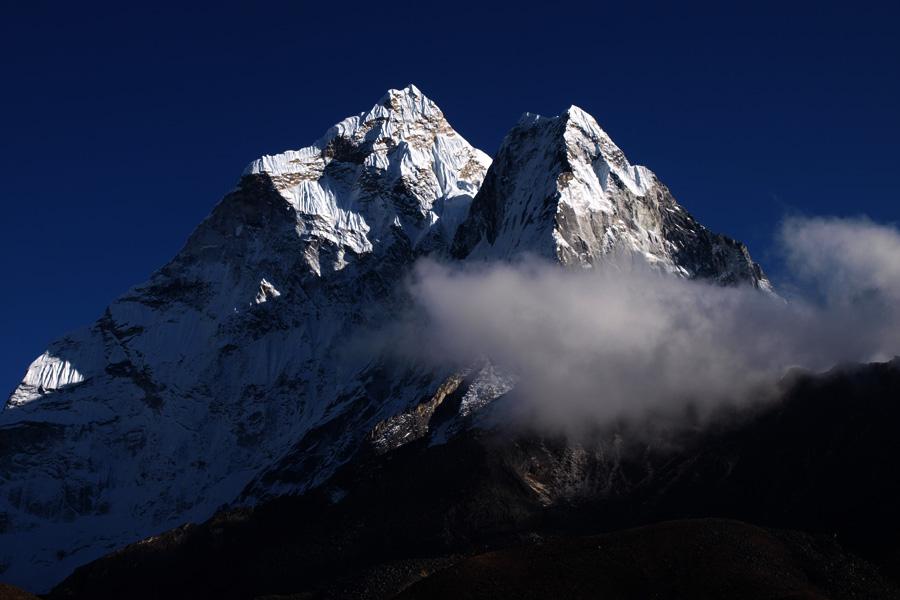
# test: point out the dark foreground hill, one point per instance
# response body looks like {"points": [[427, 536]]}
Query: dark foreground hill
{"points": [[8, 592], [497, 513], [706, 558]]}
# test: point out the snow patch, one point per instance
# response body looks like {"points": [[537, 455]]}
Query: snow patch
{"points": [[47, 373], [266, 292]]}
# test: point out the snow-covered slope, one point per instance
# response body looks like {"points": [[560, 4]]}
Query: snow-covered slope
{"points": [[561, 189], [399, 166], [191, 383], [237, 372]]}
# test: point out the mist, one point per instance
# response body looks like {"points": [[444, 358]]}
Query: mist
{"points": [[594, 345]]}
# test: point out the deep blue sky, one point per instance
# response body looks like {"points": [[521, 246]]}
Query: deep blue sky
{"points": [[122, 125]]}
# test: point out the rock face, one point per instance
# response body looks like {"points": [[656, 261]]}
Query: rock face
{"points": [[233, 373], [561, 189]]}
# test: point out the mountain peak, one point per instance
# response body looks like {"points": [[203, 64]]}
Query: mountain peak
{"points": [[409, 95], [399, 167], [578, 132], [573, 113], [398, 115], [578, 113], [406, 106], [560, 188]]}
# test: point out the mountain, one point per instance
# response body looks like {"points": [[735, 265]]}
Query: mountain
{"points": [[240, 372], [561, 189]]}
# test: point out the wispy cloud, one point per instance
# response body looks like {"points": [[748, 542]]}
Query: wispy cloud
{"points": [[618, 342]]}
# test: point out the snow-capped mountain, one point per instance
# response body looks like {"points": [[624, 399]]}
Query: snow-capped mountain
{"points": [[561, 188], [232, 374]]}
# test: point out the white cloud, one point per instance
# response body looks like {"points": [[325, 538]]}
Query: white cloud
{"points": [[595, 345]]}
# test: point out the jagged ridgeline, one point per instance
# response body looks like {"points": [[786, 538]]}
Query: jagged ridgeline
{"points": [[224, 378]]}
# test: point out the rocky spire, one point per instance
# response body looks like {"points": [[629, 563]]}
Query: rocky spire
{"points": [[560, 188]]}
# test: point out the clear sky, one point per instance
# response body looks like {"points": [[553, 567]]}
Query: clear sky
{"points": [[123, 124]]}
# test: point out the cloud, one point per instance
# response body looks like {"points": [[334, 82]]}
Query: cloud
{"points": [[589, 346], [848, 260]]}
